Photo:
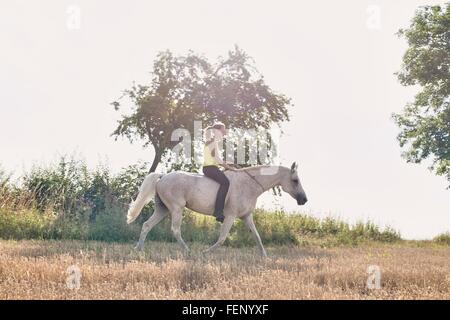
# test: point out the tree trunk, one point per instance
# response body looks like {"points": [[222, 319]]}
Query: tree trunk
{"points": [[156, 161]]}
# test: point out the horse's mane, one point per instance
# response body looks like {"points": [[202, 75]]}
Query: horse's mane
{"points": [[254, 167]]}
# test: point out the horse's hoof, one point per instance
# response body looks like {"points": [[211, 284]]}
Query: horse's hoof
{"points": [[138, 247]]}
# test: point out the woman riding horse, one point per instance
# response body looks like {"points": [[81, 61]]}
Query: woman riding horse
{"points": [[212, 160], [177, 190]]}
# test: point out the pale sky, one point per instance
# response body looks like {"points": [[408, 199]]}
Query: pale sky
{"points": [[335, 59]]}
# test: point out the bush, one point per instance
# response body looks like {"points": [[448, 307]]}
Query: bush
{"points": [[26, 224], [67, 201], [443, 238]]}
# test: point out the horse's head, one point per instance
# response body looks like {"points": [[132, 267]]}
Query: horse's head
{"points": [[291, 184]]}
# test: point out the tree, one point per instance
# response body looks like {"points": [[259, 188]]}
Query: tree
{"points": [[188, 88], [425, 123]]}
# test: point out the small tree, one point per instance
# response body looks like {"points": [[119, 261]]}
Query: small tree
{"points": [[425, 123], [188, 88]]}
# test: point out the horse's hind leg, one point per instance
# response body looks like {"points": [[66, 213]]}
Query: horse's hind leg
{"points": [[224, 231], [176, 228], [159, 214]]}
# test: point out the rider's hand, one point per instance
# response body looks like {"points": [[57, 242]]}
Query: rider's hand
{"points": [[235, 166], [228, 167]]}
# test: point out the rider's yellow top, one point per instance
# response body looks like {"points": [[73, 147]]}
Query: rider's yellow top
{"points": [[208, 159]]}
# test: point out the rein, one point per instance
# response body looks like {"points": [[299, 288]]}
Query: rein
{"points": [[252, 177]]}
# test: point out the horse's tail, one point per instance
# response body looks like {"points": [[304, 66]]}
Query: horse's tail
{"points": [[146, 193]]}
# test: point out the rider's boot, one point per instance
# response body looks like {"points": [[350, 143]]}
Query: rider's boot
{"points": [[219, 216]]}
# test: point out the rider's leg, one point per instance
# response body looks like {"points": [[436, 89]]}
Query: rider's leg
{"points": [[216, 174], [221, 195]]}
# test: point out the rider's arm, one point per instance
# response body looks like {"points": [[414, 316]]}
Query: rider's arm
{"points": [[217, 156]]}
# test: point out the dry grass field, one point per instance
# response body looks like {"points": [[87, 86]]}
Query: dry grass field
{"points": [[38, 270]]}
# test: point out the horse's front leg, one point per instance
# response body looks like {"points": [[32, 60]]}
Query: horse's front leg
{"points": [[251, 226], [224, 231]]}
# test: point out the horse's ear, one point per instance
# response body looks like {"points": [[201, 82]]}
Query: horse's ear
{"points": [[294, 167]]}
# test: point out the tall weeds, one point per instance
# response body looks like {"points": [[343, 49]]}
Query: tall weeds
{"points": [[66, 200]]}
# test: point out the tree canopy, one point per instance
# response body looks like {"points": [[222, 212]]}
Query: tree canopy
{"points": [[187, 88], [425, 123]]}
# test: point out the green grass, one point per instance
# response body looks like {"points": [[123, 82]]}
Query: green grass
{"points": [[65, 200], [276, 228]]}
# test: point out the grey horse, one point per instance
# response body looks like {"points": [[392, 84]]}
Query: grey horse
{"points": [[176, 190]]}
